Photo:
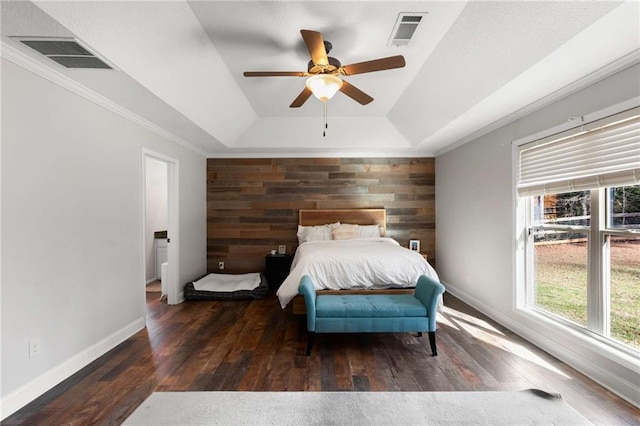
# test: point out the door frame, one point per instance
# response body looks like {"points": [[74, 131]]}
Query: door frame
{"points": [[173, 228]]}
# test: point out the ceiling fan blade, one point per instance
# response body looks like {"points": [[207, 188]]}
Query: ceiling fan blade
{"points": [[315, 44], [275, 74], [375, 65], [354, 93], [301, 99]]}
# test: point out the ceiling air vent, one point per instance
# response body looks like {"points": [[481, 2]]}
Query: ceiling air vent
{"points": [[405, 28], [67, 52]]}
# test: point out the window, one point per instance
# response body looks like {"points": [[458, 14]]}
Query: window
{"points": [[623, 260], [559, 244], [582, 245], [575, 266]]}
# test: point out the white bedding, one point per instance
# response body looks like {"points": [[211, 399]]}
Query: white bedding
{"points": [[227, 282], [361, 262]]}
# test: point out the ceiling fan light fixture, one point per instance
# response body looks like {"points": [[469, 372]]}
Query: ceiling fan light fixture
{"points": [[324, 86]]}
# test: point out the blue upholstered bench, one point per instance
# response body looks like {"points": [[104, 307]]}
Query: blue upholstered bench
{"points": [[376, 313]]}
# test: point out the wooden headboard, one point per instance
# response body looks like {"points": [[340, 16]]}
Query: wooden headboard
{"points": [[354, 216]]}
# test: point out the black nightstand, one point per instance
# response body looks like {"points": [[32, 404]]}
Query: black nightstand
{"points": [[277, 268]]}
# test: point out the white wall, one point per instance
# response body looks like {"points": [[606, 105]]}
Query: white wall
{"points": [[72, 261], [156, 210], [475, 230]]}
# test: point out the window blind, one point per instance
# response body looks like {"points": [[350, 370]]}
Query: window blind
{"points": [[603, 153]]}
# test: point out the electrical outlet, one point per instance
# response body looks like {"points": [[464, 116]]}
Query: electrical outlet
{"points": [[220, 265], [35, 347]]}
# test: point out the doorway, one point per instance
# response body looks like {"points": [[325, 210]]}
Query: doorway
{"points": [[160, 224]]}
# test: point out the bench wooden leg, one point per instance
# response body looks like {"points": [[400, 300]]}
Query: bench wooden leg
{"points": [[432, 342], [310, 335]]}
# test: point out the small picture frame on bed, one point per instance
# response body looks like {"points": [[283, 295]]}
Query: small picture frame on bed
{"points": [[414, 245], [282, 249]]}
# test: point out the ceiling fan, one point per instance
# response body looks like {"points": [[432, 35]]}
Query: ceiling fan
{"points": [[324, 71]]}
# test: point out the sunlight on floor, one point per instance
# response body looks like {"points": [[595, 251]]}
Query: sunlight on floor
{"points": [[473, 320], [487, 333]]}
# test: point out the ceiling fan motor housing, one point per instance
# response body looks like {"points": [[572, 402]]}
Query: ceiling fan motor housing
{"points": [[333, 65]]}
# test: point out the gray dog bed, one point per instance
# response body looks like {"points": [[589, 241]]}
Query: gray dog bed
{"points": [[227, 287]]}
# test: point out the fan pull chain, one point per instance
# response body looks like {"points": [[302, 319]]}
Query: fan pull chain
{"points": [[326, 126]]}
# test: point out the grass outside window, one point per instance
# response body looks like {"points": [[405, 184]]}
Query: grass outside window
{"points": [[561, 285]]}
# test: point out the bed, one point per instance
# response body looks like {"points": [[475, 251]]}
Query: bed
{"points": [[365, 263]]}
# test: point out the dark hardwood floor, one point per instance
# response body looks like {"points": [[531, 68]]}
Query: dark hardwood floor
{"points": [[254, 345]]}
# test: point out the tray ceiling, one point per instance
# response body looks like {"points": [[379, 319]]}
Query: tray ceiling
{"points": [[470, 66]]}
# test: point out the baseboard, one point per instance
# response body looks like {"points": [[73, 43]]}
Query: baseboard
{"points": [[152, 280], [36, 387], [619, 385]]}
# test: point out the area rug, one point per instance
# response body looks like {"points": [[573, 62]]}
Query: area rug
{"points": [[529, 407]]}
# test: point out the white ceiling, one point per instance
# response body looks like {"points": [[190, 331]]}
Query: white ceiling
{"points": [[471, 66]]}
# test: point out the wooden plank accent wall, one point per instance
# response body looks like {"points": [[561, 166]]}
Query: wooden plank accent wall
{"points": [[252, 204]]}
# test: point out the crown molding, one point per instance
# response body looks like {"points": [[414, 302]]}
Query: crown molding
{"points": [[324, 154], [30, 64]]}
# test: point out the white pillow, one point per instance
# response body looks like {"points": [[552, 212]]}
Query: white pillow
{"points": [[315, 233], [369, 231]]}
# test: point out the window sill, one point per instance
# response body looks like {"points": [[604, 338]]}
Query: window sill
{"points": [[587, 340]]}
